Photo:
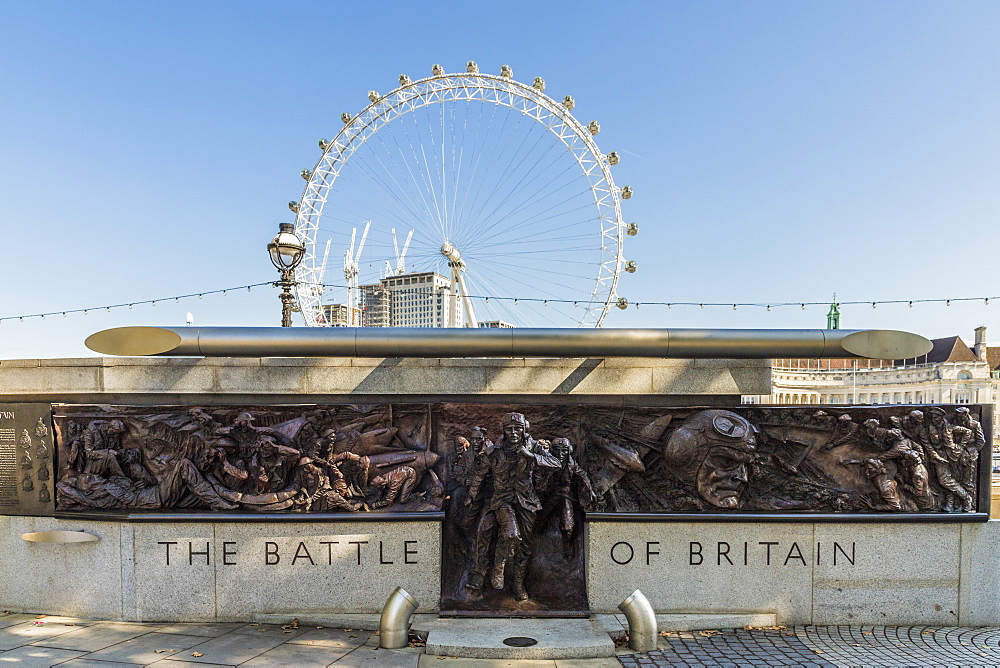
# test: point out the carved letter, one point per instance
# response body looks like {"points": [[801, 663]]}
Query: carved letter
{"points": [[692, 553], [359, 543], [301, 552], [631, 553], [381, 557], [168, 543], [837, 548], [769, 544], [192, 552], [271, 550], [720, 553], [649, 552], [226, 553], [795, 553], [407, 551], [329, 549]]}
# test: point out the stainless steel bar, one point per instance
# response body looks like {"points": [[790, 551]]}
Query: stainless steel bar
{"points": [[520, 342]]}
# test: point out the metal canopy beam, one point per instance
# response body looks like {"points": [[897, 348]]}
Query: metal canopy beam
{"points": [[518, 342]]}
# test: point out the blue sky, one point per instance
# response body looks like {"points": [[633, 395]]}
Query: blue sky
{"points": [[779, 151]]}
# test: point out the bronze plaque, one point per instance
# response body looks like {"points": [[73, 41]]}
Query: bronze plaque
{"points": [[516, 482], [26, 459]]}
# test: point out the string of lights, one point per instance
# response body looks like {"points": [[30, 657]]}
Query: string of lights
{"points": [[622, 303], [151, 302]]}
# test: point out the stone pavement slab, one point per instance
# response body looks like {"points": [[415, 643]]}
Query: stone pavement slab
{"points": [[370, 657], [84, 662], [338, 639], [206, 629], [301, 656], [95, 637], [176, 663], [29, 632], [147, 648], [37, 656], [233, 648]]}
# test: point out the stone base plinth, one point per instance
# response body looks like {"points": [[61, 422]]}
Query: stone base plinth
{"points": [[808, 573], [195, 571]]}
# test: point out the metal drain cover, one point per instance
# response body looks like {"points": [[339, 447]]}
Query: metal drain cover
{"points": [[519, 641]]}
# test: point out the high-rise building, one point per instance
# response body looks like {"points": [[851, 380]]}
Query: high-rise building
{"points": [[421, 300]]}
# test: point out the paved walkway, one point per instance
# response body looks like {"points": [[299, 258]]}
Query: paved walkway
{"points": [[30, 640]]}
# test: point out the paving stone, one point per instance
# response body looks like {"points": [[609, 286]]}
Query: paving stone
{"points": [[178, 663], [95, 637], [233, 648], [300, 656], [333, 638], [37, 656], [143, 649], [208, 630], [85, 662], [369, 657], [432, 661], [28, 632]]}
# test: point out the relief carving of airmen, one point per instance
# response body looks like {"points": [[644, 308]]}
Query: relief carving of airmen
{"points": [[886, 488], [394, 486], [844, 432], [506, 476], [569, 485], [972, 444], [711, 451], [101, 445], [947, 456], [318, 492]]}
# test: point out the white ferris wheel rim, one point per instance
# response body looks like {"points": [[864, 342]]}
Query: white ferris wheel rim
{"points": [[465, 86]]}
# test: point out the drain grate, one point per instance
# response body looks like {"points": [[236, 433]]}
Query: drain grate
{"points": [[519, 641]]}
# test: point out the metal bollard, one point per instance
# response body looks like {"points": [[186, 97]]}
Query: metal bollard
{"points": [[394, 626], [641, 622]]}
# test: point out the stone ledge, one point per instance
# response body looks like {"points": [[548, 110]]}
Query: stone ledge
{"points": [[100, 379]]}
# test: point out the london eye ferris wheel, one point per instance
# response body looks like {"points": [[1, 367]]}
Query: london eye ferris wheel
{"points": [[488, 182]]}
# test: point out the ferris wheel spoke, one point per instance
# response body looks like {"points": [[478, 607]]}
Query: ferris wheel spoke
{"points": [[404, 207], [538, 199], [508, 172], [528, 223], [482, 181]]}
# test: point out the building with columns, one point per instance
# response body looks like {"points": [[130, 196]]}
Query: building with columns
{"points": [[951, 373]]}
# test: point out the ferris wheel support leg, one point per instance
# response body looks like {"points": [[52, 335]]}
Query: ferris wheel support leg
{"points": [[470, 313]]}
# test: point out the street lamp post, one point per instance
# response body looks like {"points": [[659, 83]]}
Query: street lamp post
{"points": [[286, 252]]}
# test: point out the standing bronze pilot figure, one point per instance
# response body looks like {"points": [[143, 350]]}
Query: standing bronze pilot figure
{"points": [[507, 474]]}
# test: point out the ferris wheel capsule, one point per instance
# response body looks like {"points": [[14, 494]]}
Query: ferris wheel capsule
{"points": [[622, 303], [373, 96], [539, 84], [594, 127], [471, 67], [404, 80], [569, 102], [631, 266], [626, 192], [346, 118], [506, 72], [437, 70], [323, 144], [632, 229], [613, 158], [293, 207], [306, 174]]}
